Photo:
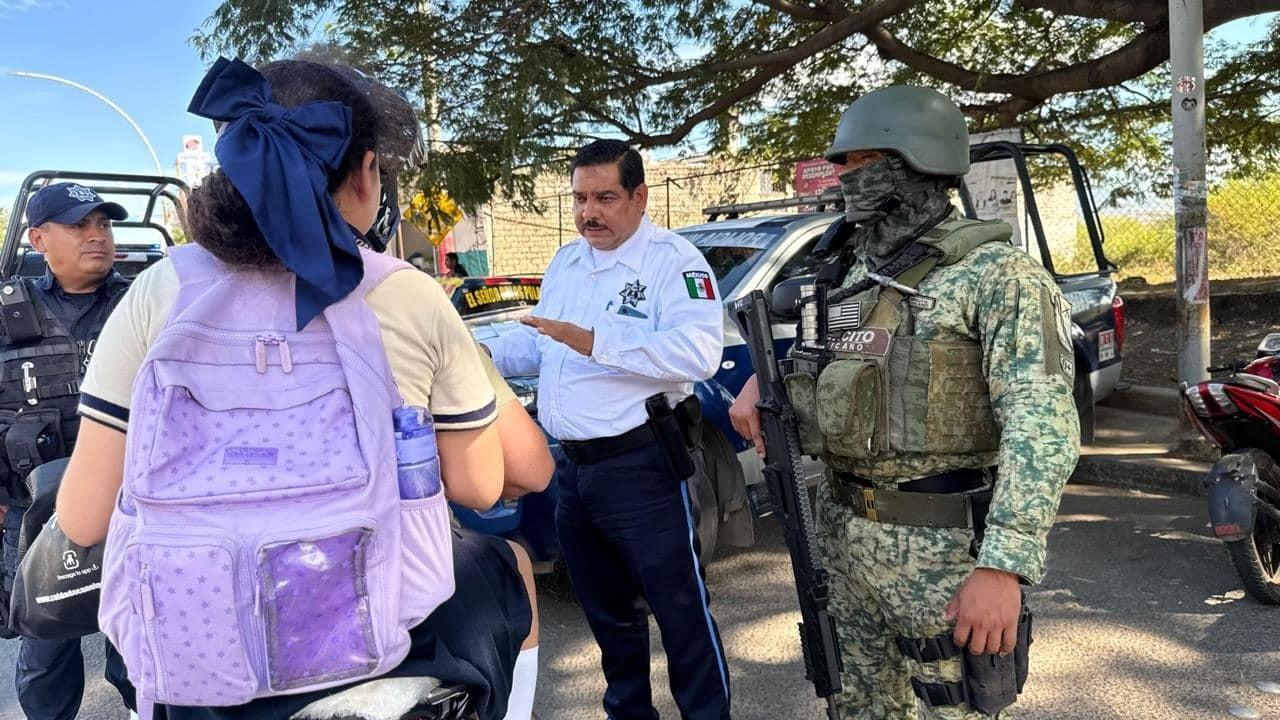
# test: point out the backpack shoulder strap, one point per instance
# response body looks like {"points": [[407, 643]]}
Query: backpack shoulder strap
{"points": [[959, 237], [194, 264], [197, 268], [377, 267], [353, 322]]}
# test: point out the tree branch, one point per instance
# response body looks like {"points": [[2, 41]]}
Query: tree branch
{"points": [[1144, 52], [823, 13], [779, 64], [849, 25], [1147, 13], [724, 102], [1141, 54]]}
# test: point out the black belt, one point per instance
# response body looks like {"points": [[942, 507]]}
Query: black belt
{"points": [[944, 500], [947, 483], [586, 452]]}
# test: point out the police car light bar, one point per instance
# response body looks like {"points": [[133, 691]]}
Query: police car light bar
{"points": [[827, 200]]}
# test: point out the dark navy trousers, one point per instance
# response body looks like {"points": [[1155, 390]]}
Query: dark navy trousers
{"points": [[627, 530], [49, 676]]}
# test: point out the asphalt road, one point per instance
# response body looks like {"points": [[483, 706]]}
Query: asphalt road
{"points": [[1140, 617]]}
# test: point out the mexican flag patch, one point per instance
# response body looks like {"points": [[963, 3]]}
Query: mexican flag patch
{"points": [[700, 285]]}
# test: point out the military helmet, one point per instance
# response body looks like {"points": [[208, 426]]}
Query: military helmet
{"points": [[922, 125]]}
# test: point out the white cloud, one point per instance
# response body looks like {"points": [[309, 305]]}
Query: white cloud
{"points": [[23, 5]]}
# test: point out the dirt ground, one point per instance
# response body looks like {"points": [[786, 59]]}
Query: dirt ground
{"points": [[1241, 313]]}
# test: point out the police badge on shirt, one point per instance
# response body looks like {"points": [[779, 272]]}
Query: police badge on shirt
{"points": [[632, 295]]}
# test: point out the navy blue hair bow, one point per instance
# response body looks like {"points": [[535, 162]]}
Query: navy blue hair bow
{"points": [[278, 159]]}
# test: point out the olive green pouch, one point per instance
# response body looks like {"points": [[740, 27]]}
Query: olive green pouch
{"points": [[850, 402], [801, 391]]}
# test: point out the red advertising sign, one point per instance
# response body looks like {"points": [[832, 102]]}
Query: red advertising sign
{"points": [[814, 176]]}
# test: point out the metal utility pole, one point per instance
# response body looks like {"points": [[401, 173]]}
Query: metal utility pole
{"points": [[1186, 55], [63, 81]]}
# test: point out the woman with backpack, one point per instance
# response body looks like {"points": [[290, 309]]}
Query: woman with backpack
{"points": [[261, 552]]}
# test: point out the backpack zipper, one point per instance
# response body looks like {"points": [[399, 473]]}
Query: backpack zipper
{"points": [[148, 620], [265, 340], [198, 330]]}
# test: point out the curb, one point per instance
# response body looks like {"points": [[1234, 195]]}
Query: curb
{"points": [[1163, 475], [1153, 399]]}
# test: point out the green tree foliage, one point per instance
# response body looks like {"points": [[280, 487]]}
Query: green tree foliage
{"points": [[518, 83]]}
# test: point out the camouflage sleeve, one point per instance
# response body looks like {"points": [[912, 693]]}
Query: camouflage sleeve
{"points": [[1024, 325]]}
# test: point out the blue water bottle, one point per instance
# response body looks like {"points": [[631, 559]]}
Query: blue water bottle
{"points": [[417, 462]]}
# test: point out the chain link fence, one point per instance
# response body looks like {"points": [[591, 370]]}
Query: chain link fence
{"points": [[1137, 223], [1243, 222], [1243, 232]]}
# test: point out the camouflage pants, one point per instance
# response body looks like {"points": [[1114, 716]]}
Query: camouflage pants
{"points": [[890, 580]]}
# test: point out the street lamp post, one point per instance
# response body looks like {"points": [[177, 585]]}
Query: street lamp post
{"points": [[63, 81]]}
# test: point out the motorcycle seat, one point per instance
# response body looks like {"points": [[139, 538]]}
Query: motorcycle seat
{"points": [[398, 698]]}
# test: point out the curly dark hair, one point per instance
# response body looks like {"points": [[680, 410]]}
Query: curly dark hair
{"points": [[219, 219]]}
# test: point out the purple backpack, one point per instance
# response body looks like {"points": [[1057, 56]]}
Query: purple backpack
{"points": [[259, 545]]}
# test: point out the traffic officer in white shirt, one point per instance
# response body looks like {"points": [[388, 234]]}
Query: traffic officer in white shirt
{"points": [[628, 310]]}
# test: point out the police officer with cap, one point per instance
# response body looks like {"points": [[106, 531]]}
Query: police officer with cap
{"points": [[939, 395], [630, 317], [47, 335]]}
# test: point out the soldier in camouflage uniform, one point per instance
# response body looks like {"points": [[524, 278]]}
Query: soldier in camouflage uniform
{"points": [[939, 406]]}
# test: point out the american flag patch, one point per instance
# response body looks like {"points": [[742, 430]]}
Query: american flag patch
{"points": [[844, 316]]}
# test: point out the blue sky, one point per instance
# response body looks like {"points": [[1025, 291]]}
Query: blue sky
{"points": [[136, 52]]}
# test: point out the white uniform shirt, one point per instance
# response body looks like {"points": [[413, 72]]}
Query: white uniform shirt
{"points": [[659, 327]]}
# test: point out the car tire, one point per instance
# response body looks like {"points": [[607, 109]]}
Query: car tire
{"points": [[717, 454], [708, 520]]}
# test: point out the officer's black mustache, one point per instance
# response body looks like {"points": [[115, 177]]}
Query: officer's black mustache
{"points": [[593, 225]]}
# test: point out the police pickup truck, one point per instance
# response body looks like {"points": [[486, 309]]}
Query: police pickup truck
{"points": [[140, 240]]}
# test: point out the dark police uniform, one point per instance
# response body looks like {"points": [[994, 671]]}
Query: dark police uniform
{"points": [[39, 393], [625, 516]]}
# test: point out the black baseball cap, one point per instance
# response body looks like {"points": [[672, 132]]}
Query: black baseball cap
{"points": [[67, 203]]}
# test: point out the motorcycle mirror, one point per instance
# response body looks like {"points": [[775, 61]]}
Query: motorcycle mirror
{"points": [[1270, 345], [784, 299]]}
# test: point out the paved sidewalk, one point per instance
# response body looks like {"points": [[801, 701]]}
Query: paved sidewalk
{"points": [[1133, 445]]}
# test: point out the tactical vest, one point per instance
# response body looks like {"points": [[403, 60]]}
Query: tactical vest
{"points": [[887, 391], [39, 386]]}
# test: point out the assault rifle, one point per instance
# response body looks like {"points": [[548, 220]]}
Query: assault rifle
{"points": [[791, 501]]}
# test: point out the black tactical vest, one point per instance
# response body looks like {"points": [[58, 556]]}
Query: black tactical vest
{"points": [[39, 386]]}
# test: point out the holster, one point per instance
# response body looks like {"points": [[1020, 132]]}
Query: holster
{"points": [[34, 438], [27, 440], [988, 683], [688, 414], [671, 436]]}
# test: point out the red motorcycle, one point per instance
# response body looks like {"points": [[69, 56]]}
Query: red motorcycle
{"points": [[1240, 413]]}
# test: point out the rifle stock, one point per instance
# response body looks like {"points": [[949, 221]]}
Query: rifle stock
{"points": [[783, 476]]}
